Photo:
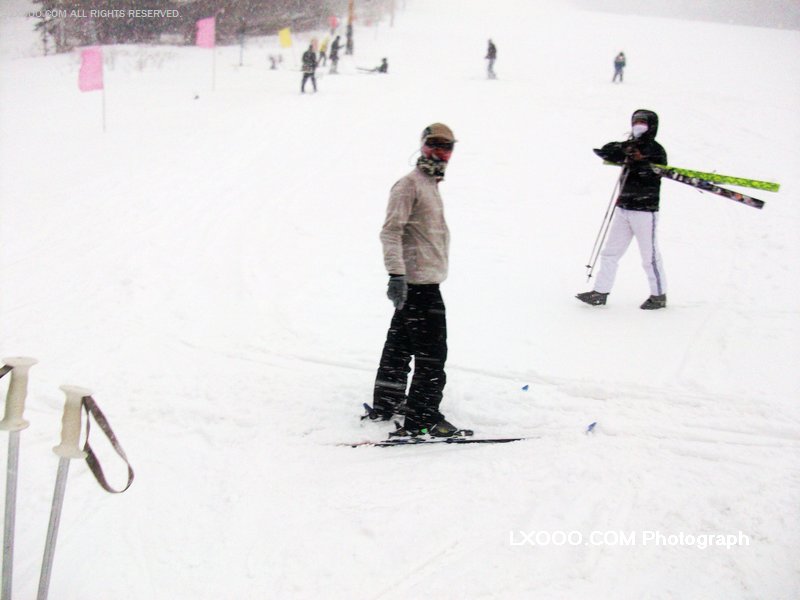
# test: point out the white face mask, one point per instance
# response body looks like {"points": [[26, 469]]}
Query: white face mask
{"points": [[638, 129]]}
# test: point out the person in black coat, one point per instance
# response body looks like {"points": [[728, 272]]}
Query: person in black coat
{"points": [[491, 56], [309, 67], [619, 65], [334, 55], [635, 212]]}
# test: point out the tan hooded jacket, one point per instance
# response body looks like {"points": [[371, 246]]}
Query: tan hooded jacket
{"points": [[415, 236]]}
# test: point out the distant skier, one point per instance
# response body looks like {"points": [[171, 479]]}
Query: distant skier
{"points": [[309, 67], [348, 49], [635, 212], [619, 65], [334, 56], [491, 56], [416, 244], [381, 68]]}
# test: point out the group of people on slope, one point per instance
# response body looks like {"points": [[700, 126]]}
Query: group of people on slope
{"points": [[491, 56], [310, 62]]}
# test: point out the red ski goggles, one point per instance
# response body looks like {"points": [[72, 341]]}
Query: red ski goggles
{"points": [[441, 149]]}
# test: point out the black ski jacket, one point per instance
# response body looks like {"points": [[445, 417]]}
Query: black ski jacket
{"points": [[641, 189], [309, 61]]}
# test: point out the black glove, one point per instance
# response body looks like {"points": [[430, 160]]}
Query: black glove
{"points": [[397, 291], [632, 151], [611, 152]]}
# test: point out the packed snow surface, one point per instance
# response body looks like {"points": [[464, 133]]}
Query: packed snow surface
{"points": [[209, 266]]}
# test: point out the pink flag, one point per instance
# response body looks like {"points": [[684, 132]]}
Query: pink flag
{"points": [[90, 77], [206, 32]]}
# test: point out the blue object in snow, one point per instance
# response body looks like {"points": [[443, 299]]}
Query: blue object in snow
{"points": [[590, 428], [525, 388]]}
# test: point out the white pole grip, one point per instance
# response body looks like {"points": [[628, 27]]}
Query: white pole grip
{"points": [[17, 392], [71, 422]]}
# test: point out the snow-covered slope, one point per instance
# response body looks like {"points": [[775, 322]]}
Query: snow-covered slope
{"points": [[210, 268]]}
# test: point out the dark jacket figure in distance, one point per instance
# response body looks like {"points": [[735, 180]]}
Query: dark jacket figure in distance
{"points": [[309, 66], [619, 65], [635, 212], [491, 56], [334, 55], [381, 68], [348, 48], [416, 243]]}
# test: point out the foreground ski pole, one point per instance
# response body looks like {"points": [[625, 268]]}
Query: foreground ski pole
{"points": [[67, 450], [13, 423]]}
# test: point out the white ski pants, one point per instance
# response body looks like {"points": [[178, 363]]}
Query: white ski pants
{"points": [[626, 225]]}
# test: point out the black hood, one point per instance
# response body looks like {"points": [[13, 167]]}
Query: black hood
{"points": [[652, 122]]}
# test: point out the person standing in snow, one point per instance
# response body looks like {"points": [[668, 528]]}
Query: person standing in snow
{"points": [[619, 65], [491, 56], [416, 242], [335, 55], [323, 49], [348, 49], [309, 66], [635, 212]]}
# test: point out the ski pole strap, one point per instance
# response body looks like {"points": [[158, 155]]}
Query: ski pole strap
{"points": [[4, 369], [92, 410]]}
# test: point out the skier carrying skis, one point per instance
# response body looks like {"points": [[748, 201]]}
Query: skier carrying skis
{"points": [[415, 242], [309, 66], [491, 56], [635, 211], [619, 65]]}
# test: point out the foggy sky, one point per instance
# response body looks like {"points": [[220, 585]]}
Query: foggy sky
{"points": [[780, 14]]}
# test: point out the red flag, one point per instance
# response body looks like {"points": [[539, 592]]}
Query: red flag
{"points": [[206, 34], [90, 77]]}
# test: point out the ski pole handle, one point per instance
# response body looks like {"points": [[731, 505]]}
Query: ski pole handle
{"points": [[17, 392], [71, 422]]}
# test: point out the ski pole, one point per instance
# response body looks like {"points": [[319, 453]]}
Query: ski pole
{"points": [[601, 234], [13, 423], [67, 450]]}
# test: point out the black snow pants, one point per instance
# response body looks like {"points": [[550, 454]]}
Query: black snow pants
{"points": [[419, 330], [306, 77]]}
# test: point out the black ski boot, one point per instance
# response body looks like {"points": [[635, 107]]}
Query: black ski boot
{"points": [[408, 429], [380, 414], [443, 429], [655, 302], [593, 298]]}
